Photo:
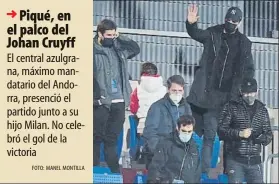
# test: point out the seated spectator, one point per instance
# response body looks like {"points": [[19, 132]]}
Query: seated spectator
{"points": [[245, 126], [163, 114], [176, 158], [150, 90]]}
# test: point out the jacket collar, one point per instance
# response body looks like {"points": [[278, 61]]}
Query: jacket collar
{"points": [[175, 137], [240, 101], [97, 48]]}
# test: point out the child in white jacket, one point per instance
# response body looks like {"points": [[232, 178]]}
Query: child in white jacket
{"points": [[150, 90]]}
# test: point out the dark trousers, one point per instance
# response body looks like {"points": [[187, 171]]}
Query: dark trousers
{"points": [[238, 172], [206, 125], [107, 127]]}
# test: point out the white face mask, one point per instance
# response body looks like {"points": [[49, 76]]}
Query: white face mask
{"points": [[176, 98], [185, 137]]}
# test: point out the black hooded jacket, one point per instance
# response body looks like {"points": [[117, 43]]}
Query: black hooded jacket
{"points": [[174, 159]]}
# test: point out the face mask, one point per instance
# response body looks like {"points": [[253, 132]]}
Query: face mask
{"points": [[176, 98], [249, 99], [185, 137], [107, 42], [229, 27]]}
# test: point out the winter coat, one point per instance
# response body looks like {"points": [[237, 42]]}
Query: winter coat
{"points": [[235, 118], [150, 90], [162, 119], [125, 49], [174, 159], [210, 92]]}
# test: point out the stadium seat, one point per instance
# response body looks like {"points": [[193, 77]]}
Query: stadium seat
{"points": [[216, 152], [216, 148], [101, 170], [107, 178], [134, 142], [119, 147], [199, 141]]}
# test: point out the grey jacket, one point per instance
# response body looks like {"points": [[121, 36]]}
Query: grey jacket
{"points": [[125, 49]]}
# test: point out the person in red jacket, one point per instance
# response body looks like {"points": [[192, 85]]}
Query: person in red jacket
{"points": [[149, 90]]}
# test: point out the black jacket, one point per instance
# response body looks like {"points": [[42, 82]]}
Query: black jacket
{"points": [[125, 49], [174, 159], [204, 92], [234, 118], [161, 120]]}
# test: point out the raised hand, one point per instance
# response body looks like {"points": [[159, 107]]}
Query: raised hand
{"points": [[192, 14]]}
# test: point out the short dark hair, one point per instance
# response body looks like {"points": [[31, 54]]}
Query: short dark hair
{"points": [[186, 120], [177, 79], [149, 68], [106, 24]]}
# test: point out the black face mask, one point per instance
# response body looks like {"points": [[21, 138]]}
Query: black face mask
{"points": [[249, 99], [107, 42], [229, 27]]}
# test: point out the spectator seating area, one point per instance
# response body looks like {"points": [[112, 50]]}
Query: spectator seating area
{"points": [[104, 175], [119, 147], [134, 142]]}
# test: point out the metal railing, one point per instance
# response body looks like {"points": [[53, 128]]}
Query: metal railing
{"points": [[268, 157], [268, 167], [181, 34]]}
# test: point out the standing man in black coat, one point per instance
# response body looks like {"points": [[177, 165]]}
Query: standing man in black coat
{"points": [[226, 59], [245, 128]]}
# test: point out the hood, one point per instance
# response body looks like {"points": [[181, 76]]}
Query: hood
{"points": [[151, 84], [97, 48]]}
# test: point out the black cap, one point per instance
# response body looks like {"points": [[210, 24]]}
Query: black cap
{"points": [[249, 85], [234, 14]]}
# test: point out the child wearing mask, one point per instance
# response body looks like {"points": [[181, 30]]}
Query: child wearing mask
{"points": [[150, 90]]}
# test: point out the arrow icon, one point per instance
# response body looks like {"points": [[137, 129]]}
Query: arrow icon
{"points": [[12, 14]]}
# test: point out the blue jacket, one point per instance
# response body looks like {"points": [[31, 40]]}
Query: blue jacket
{"points": [[161, 120]]}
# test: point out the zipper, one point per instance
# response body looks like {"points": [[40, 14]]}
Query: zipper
{"points": [[183, 162], [250, 141], [224, 64], [177, 112], [110, 71], [121, 66], [213, 46]]}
